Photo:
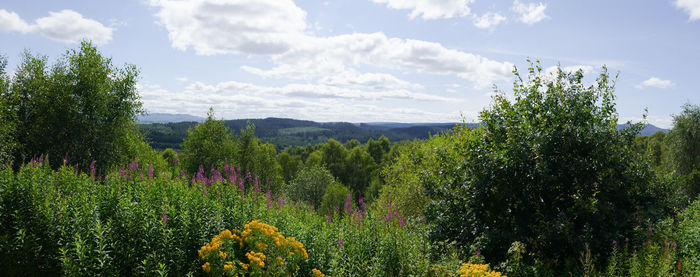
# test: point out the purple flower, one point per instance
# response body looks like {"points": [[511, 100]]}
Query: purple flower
{"points": [[280, 202], [650, 229], [165, 218], [614, 242], [92, 169], [675, 245], [401, 223], [362, 203], [627, 239], [150, 171], [348, 199], [649, 242], [328, 219], [478, 253], [340, 241]]}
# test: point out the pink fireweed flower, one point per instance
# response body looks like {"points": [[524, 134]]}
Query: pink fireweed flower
{"points": [[614, 243], [478, 253], [348, 199], [627, 239], [165, 218], [340, 241], [241, 186], [150, 171], [92, 169], [650, 229], [328, 219], [401, 223], [280, 202], [675, 245]]}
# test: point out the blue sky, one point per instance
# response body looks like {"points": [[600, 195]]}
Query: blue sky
{"points": [[369, 60]]}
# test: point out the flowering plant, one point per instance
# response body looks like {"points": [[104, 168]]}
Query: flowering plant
{"points": [[477, 270], [258, 250]]}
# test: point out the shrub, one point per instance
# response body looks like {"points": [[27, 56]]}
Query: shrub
{"points": [[334, 199], [209, 144], [310, 185], [549, 169]]}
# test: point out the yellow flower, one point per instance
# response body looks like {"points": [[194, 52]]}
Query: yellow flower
{"points": [[317, 273], [228, 266], [244, 266], [477, 270], [206, 267], [223, 255]]}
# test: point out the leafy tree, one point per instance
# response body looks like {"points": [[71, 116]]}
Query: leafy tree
{"points": [[377, 149], [314, 159], [170, 156], [350, 144], [207, 144], [7, 124], [549, 169], [82, 108], [290, 165], [685, 146], [359, 169], [309, 185], [334, 198], [257, 158], [333, 156]]}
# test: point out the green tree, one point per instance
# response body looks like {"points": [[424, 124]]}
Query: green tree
{"points": [[377, 149], [7, 117], [290, 165], [82, 108], [310, 185], [549, 169], [207, 144], [334, 199], [685, 146], [333, 156], [257, 158], [359, 169]]}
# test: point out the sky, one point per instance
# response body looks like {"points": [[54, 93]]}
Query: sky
{"points": [[369, 60]]}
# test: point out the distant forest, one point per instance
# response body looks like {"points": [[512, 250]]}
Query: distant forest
{"points": [[284, 132]]}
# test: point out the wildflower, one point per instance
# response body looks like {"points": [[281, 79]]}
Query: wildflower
{"points": [[347, 204], [340, 241], [650, 229], [627, 239], [164, 219], [649, 242], [328, 219], [401, 223], [223, 255], [317, 273], [280, 202], [675, 245], [478, 253], [206, 267], [228, 266], [150, 171], [467, 270], [614, 243]]}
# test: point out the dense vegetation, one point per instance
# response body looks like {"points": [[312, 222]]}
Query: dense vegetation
{"points": [[546, 185]]}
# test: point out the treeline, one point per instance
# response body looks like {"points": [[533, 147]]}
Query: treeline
{"points": [[284, 133]]}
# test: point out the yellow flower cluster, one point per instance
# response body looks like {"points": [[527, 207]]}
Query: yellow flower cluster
{"points": [[477, 270], [258, 241], [256, 259], [318, 273]]}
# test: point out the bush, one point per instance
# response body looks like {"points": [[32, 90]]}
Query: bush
{"points": [[688, 238], [334, 199], [549, 169], [310, 185]]}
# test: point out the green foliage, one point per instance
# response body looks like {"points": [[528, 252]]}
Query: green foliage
{"points": [[377, 149], [549, 169], [63, 223], [310, 185], [81, 108], [359, 169], [290, 165], [688, 240], [7, 117], [402, 174], [333, 157], [334, 199], [685, 146], [208, 144], [170, 156]]}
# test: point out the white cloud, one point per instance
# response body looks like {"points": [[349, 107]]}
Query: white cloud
{"points": [[368, 80], [655, 82], [430, 9], [530, 13], [691, 7], [277, 28], [66, 26], [236, 26], [488, 20], [332, 55]]}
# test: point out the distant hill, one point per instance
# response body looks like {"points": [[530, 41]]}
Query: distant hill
{"points": [[285, 132], [167, 118], [647, 131]]}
